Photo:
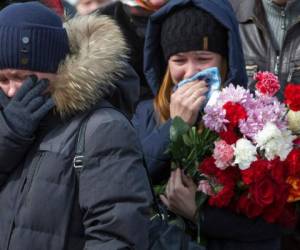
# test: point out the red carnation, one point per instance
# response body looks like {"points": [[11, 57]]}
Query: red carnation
{"points": [[293, 163], [229, 136], [208, 166], [267, 83], [228, 176], [234, 113], [292, 96], [258, 171], [222, 198]]}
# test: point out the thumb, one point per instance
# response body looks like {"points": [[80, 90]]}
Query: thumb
{"points": [[4, 100]]}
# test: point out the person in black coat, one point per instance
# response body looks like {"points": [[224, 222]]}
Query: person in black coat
{"points": [[52, 79], [183, 38], [133, 21]]}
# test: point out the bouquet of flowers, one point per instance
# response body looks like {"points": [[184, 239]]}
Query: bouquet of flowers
{"points": [[246, 156]]}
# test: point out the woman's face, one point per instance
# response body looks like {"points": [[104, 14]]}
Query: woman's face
{"points": [[186, 64], [156, 3], [11, 80]]}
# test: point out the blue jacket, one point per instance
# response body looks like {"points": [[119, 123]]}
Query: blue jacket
{"points": [[154, 137], [224, 229]]}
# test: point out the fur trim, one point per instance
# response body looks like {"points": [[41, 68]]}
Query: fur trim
{"points": [[98, 51]]}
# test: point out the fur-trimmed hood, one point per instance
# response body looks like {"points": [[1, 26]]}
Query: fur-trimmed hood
{"points": [[95, 66]]}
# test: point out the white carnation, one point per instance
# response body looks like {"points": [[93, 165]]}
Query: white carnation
{"points": [[245, 153], [274, 142]]}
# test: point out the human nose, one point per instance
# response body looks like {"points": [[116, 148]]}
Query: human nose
{"points": [[191, 70], [13, 88]]}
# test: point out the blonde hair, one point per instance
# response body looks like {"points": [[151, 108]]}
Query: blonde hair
{"points": [[162, 99]]}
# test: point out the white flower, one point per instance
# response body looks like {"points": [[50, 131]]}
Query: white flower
{"points": [[274, 142], [245, 153], [294, 121]]}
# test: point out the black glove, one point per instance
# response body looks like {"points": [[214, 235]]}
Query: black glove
{"points": [[26, 109]]}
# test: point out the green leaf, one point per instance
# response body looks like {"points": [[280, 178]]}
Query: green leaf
{"points": [[178, 128]]}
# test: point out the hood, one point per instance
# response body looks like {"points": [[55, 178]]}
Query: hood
{"points": [[154, 63], [96, 67]]}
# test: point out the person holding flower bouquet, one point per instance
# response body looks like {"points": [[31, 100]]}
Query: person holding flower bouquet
{"points": [[183, 39]]}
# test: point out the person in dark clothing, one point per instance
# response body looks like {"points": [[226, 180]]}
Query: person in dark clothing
{"points": [[52, 79], [270, 38], [183, 38], [133, 21]]}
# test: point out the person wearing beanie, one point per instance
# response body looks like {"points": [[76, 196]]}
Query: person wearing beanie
{"points": [[132, 17], [71, 168], [184, 38]]}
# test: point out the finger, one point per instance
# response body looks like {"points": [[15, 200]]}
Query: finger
{"points": [[198, 103], [168, 188], [196, 87], [36, 91], [164, 200], [44, 109], [27, 85], [35, 103], [187, 181], [190, 87], [4, 100], [177, 179], [193, 96], [172, 183]]}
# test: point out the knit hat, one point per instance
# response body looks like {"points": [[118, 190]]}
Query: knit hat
{"points": [[191, 28], [32, 37]]}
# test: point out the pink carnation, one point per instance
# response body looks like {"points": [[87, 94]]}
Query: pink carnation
{"points": [[205, 187], [267, 83], [223, 154]]}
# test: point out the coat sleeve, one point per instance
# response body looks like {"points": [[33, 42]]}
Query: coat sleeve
{"points": [[12, 149], [155, 140], [113, 188], [218, 223]]}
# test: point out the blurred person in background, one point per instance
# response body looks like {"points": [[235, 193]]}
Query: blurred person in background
{"points": [[85, 7], [132, 17]]}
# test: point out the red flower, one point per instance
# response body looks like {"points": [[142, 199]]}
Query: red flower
{"points": [[263, 192], [228, 176], [208, 167], [274, 210], [278, 170], [222, 198], [234, 113], [246, 206], [293, 163], [229, 136], [267, 83], [292, 96], [258, 171]]}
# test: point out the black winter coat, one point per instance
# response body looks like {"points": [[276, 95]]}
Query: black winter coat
{"points": [[42, 205]]}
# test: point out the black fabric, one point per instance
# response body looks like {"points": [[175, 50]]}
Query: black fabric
{"points": [[96, 213], [28, 107], [164, 236], [191, 28], [133, 28]]}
